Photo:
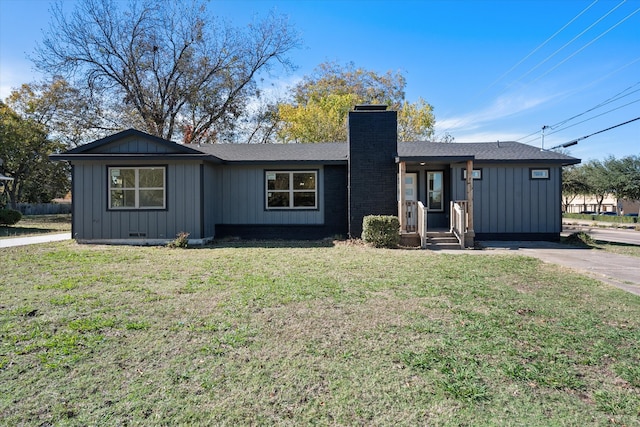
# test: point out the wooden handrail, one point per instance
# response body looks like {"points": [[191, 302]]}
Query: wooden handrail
{"points": [[422, 225], [459, 220]]}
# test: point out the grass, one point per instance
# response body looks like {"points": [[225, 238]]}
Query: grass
{"points": [[614, 219], [31, 225], [585, 240], [311, 334]]}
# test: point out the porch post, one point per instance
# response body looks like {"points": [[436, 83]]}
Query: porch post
{"points": [[402, 217], [470, 234]]}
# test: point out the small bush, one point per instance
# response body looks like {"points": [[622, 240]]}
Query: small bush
{"points": [[381, 231], [580, 239], [9, 216], [181, 240]]}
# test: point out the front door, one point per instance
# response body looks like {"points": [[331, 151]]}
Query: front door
{"points": [[436, 207], [411, 199]]}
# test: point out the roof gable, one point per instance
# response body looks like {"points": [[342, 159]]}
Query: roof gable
{"points": [[132, 141]]}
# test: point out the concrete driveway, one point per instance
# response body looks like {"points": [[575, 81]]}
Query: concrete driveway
{"points": [[620, 271], [32, 240]]}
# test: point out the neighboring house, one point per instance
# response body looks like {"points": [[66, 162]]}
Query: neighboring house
{"points": [[584, 203], [135, 188]]}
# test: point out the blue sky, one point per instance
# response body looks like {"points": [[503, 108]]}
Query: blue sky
{"points": [[493, 70]]}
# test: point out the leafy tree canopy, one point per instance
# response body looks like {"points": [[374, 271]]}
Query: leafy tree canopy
{"points": [[321, 101], [624, 176], [68, 114], [163, 66], [618, 177], [25, 150]]}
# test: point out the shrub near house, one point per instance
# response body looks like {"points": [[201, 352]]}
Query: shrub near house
{"points": [[382, 231], [9, 217]]}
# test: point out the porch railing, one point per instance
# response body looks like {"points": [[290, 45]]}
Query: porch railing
{"points": [[410, 216], [422, 224], [459, 220]]}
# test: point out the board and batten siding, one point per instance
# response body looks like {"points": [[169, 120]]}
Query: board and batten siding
{"points": [[135, 145], [92, 220], [506, 200], [210, 198], [243, 190]]}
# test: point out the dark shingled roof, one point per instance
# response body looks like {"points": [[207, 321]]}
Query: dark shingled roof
{"points": [[332, 152], [480, 151], [337, 152], [326, 153]]}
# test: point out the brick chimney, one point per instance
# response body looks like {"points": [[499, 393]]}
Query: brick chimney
{"points": [[373, 146]]}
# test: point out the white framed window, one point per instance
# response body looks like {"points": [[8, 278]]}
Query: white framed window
{"points": [[476, 174], [542, 173], [137, 187], [291, 190], [435, 191]]}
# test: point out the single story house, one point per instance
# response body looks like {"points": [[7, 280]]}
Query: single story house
{"points": [[134, 188]]}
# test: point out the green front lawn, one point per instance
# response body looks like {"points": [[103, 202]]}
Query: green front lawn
{"points": [[256, 334], [31, 225]]}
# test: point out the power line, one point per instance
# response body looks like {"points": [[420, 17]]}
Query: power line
{"points": [[609, 100], [527, 56], [586, 45], [614, 98], [540, 46], [567, 44], [575, 141], [591, 118]]}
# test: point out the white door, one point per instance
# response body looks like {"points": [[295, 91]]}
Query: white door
{"points": [[411, 200]]}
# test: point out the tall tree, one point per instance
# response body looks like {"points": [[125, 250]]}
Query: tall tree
{"points": [[597, 179], [624, 176], [573, 185], [25, 149], [68, 114], [166, 66], [321, 101]]}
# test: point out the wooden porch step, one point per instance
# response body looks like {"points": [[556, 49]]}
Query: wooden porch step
{"points": [[442, 240], [436, 240]]}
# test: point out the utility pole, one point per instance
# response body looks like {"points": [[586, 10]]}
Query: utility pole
{"points": [[543, 129]]}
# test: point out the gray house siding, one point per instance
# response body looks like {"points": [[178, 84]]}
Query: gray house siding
{"points": [[509, 204], [243, 190], [135, 145], [243, 213], [210, 198], [93, 221]]}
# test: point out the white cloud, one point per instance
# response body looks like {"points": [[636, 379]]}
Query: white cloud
{"points": [[495, 114]]}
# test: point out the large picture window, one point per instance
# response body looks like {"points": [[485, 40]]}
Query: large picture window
{"points": [[291, 189], [435, 191], [137, 188]]}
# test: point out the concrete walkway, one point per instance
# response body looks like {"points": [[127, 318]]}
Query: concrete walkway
{"points": [[621, 271], [32, 240]]}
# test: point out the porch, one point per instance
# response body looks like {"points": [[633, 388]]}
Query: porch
{"points": [[414, 211]]}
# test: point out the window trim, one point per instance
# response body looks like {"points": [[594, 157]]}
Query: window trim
{"points": [[291, 190], [533, 171], [429, 208], [137, 189], [475, 178]]}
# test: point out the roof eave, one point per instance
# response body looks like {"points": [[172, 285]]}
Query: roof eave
{"points": [[439, 159], [287, 162], [134, 156]]}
